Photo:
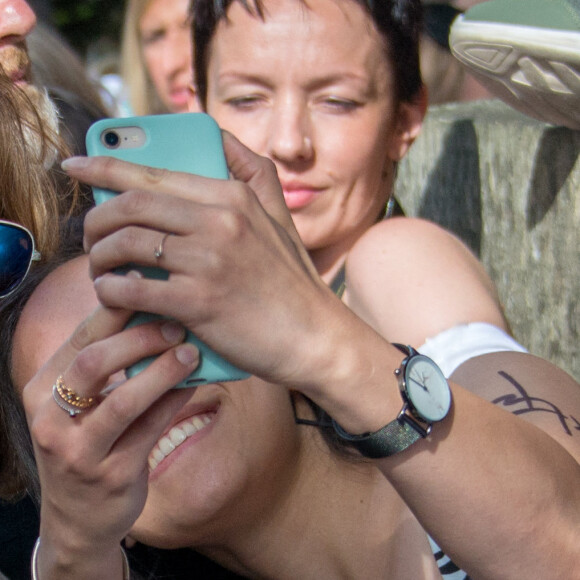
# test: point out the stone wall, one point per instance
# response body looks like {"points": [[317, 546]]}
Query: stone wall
{"points": [[509, 186]]}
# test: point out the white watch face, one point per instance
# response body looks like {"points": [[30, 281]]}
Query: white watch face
{"points": [[427, 389]]}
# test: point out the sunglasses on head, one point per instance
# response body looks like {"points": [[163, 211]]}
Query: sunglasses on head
{"points": [[16, 256]]}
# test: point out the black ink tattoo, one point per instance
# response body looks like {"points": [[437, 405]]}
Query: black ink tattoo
{"points": [[527, 404]]}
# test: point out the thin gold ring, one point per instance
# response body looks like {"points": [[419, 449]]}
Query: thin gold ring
{"points": [[158, 251], [69, 400]]}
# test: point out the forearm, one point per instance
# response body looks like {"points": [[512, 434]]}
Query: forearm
{"points": [[501, 497], [498, 494]]}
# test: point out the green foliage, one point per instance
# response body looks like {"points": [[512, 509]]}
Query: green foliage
{"points": [[83, 22]]}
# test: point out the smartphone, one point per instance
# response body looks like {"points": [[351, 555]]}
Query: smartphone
{"points": [[187, 142]]}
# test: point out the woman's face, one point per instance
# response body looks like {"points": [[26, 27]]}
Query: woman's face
{"points": [[311, 88], [166, 43], [241, 449]]}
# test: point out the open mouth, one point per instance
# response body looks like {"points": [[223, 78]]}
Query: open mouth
{"points": [[177, 435]]}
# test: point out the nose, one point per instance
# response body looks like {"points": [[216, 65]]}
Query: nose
{"points": [[290, 134], [177, 58], [17, 19]]}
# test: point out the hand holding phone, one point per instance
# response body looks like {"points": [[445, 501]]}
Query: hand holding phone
{"points": [[188, 142]]}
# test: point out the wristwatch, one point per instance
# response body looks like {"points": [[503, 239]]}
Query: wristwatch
{"points": [[426, 400]]}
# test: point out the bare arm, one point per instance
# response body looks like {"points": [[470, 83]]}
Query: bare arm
{"points": [[507, 455]]}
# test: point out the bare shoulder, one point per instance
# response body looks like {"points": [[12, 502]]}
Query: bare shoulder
{"points": [[411, 279], [59, 303], [404, 238]]}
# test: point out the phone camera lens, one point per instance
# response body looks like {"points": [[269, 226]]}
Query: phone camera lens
{"points": [[111, 139]]}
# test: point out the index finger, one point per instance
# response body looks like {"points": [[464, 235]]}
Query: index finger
{"points": [[122, 176]]}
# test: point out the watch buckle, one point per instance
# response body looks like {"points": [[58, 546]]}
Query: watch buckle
{"points": [[412, 421]]}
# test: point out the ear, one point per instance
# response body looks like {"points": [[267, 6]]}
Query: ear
{"points": [[193, 105], [407, 126]]}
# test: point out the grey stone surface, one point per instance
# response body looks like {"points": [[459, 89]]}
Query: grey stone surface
{"points": [[509, 186]]}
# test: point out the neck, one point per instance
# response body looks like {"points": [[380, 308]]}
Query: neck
{"points": [[329, 260], [337, 520]]}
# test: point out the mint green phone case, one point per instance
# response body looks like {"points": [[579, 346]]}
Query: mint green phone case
{"points": [[188, 142]]}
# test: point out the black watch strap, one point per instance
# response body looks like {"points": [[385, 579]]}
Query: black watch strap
{"points": [[393, 438]]}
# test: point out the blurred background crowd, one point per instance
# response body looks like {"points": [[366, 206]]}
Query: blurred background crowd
{"points": [[120, 43]]}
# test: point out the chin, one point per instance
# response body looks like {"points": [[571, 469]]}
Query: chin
{"points": [[182, 518]]}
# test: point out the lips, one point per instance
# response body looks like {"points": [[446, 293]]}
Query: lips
{"points": [[299, 195], [180, 98]]}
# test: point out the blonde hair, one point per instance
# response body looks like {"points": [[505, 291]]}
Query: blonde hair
{"points": [[142, 94], [29, 147]]}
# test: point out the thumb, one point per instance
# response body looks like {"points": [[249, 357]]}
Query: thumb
{"points": [[259, 173]]}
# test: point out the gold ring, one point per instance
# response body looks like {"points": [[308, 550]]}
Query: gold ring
{"points": [[158, 252], [70, 401]]}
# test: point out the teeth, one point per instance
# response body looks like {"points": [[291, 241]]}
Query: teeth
{"points": [[198, 423], [176, 436], [166, 446]]}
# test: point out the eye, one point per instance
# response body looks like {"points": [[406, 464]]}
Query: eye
{"points": [[340, 105], [245, 102], [152, 36]]}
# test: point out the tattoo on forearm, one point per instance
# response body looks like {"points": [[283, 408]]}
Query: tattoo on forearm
{"points": [[527, 404]]}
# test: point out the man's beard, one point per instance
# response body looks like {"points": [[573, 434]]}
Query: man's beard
{"points": [[15, 64], [48, 117]]}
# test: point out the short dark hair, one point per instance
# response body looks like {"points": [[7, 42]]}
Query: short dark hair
{"points": [[399, 22]]}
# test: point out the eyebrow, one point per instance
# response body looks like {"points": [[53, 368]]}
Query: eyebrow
{"points": [[314, 84]]}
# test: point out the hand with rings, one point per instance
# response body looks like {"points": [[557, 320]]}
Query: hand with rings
{"points": [[93, 469], [69, 401]]}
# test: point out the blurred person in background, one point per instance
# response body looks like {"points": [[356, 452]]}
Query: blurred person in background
{"points": [[57, 67], [156, 56]]}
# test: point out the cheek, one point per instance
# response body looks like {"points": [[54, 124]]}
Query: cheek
{"points": [[358, 166], [27, 361], [153, 59]]}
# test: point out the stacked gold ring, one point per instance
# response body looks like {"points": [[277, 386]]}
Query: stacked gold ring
{"points": [[70, 401]]}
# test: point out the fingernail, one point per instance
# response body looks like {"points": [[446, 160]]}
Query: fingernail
{"points": [[172, 331], [187, 355], [75, 163]]}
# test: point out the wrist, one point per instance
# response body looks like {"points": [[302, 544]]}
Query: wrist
{"points": [[357, 386], [426, 399], [112, 565]]}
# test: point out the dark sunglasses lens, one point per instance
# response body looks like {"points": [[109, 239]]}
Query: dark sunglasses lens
{"points": [[15, 255]]}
